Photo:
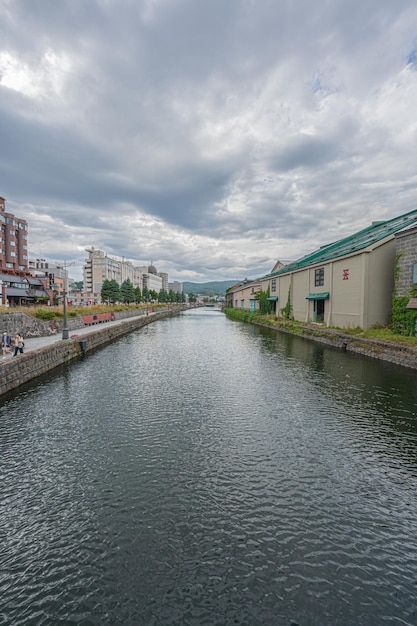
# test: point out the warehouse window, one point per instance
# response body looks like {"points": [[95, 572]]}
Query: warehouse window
{"points": [[319, 277]]}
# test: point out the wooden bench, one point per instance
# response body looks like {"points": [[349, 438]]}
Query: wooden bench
{"points": [[97, 318]]}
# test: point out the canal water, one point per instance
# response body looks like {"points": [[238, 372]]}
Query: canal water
{"points": [[205, 472]]}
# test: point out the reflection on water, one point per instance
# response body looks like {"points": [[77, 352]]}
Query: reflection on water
{"points": [[206, 472]]}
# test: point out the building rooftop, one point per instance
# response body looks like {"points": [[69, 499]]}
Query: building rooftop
{"points": [[361, 240]]}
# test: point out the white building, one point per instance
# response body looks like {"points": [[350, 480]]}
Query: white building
{"points": [[164, 277], [151, 280], [100, 267], [175, 286]]}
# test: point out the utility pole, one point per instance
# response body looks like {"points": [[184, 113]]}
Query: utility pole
{"points": [[65, 327]]}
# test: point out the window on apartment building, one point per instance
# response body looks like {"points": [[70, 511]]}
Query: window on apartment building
{"points": [[273, 284], [12, 243], [235, 304], [242, 304], [319, 277], [415, 273]]}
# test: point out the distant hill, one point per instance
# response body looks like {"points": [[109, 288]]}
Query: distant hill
{"points": [[214, 288]]}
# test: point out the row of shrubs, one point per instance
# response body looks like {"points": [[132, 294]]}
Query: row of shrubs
{"points": [[45, 313]]}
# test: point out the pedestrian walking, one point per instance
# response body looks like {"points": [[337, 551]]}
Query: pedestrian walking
{"points": [[5, 344], [19, 344]]}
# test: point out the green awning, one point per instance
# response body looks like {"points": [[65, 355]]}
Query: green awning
{"points": [[318, 296], [272, 298]]}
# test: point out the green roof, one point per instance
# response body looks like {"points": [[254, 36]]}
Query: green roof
{"points": [[349, 245]]}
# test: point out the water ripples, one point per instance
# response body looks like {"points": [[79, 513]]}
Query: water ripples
{"points": [[203, 472]]}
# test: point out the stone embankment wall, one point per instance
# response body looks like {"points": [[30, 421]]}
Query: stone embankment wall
{"points": [[394, 353], [29, 326], [27, 366], [407, 251]]}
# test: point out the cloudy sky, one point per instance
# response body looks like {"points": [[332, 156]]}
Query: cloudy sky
{"points": [[211, 137]]}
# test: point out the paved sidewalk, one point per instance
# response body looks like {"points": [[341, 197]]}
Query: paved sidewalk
{"points": [[34, 343]]}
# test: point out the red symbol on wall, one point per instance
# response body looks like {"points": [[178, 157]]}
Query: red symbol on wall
{"points": [[345, 274]]}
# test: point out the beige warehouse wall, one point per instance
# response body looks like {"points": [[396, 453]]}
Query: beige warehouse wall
{"points": [[300, 289], [381, 284], [347, 294]]}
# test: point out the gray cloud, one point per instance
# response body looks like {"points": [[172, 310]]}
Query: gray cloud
{"points": [[213, 137]]}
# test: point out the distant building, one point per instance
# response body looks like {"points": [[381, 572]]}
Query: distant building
{"points": [[100, 267], [56, 276], [18, 290], [13, 243], [164, 277], [151, 280], [242, 295], [175, 286]]}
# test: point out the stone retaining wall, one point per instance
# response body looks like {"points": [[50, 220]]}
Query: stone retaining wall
{"points": [[393, 353], [25, 367], [29, 326]]}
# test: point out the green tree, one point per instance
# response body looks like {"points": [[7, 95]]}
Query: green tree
{"points": [[403, 320], [115, 292], [153, 295], [264, 304], [78, 284], [162, 296], [287, 309], [138, 295], [106, 291], [145, 294], [127, 291], [192, 297]]}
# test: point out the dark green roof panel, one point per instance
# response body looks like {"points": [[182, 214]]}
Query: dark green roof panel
{"points": [[354, 243]]}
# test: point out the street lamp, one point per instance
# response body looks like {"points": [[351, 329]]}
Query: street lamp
{"points": [[65, 327]]}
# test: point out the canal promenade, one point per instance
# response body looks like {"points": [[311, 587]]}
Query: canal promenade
{"points": [[42, 354], [36, 343]]}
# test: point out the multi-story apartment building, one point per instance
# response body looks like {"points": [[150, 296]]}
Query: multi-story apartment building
{"points": [[175, 286], [17, 286], [164, 277], [13, 243], [99, 267]]}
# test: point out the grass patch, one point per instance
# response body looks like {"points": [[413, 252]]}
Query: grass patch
{"points": [[378, 333]]}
